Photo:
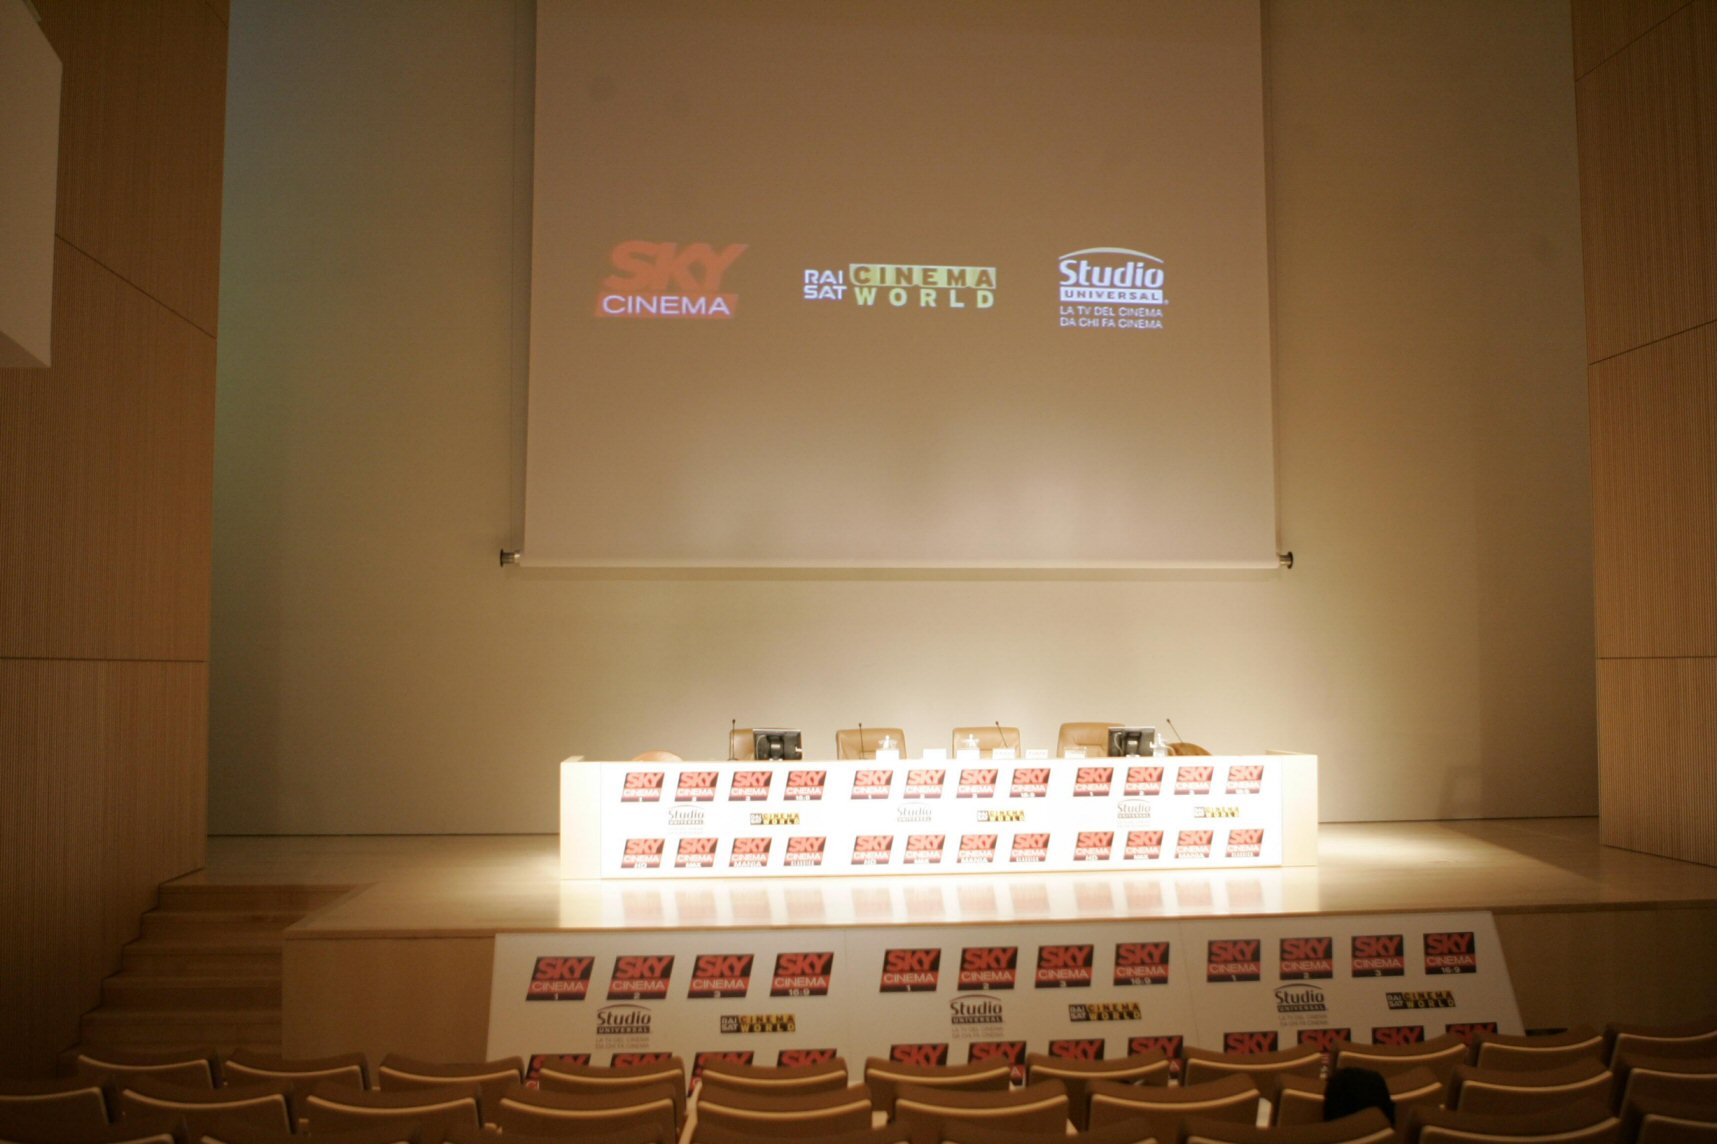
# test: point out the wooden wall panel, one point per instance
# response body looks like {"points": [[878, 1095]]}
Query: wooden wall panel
{"points": [[106, 479], [1658, 756], [143, 116], [369, 994], [1654, 488], [103, 770], [1604, 27], [1589, 967], [1648, 185]]}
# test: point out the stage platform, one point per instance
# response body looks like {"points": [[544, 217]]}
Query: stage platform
{"points": [[402, 963]]}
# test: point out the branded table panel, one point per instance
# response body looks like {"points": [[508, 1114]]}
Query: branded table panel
{"points": [[746, 819]]}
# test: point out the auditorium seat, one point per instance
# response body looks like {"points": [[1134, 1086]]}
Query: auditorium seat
{"points": [[1233, 1097], [1659, 1121], [1507, 1092], [200, 1068], [1198, 1065], [574, 1114], [1140, 1068], [988, 739], [862, 742], [245, 1134], [492, 1078], [1039, 1107], [1368, 1126], [569, 1076], [72, 1101], [334, 1107], [885, 1078], [1691, 1039], [1300, 1099], [17, 1128], [1535, 1051], [1094, 737], [245, 1066], [1439, 1054], [877, 1134], [264, 1105], [647, 1133], [1125, 1132], [824, 1076], [1583, 1122], [1681, 1079], [778, 1115]]}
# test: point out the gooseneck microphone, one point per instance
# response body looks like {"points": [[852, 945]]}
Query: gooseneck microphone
{"points": [[732, 729], [1003, 736], [861, 740]]}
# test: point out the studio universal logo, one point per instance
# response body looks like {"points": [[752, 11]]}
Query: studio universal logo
{"points": [[1111, 288], [968, 1011], [622, 1021]]}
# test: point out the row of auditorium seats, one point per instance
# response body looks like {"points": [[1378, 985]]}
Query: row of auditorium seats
{"points": [[1622, 1085]]}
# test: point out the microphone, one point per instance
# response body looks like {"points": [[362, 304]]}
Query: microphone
{"points": [[1172, 727], [732, 728], [1003, 736], [861, 740]]}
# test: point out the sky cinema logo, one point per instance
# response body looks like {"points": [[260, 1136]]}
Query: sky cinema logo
{"points": [[749, 786], [988, 967], [901, 286], [695, 853], [1144, 844], [805, 850], [872, 849], [1245, 842], [911, 970], [924, 849], [802, 974], [1234, 959], [1013, 1052], [1193, 843], [1307, 958], [721, 1057], [799, 1058], [749, 853], [1093, 782], [1143, 782], [560, 979], [665, 280], [1250, 1041], [1077, 1049], [977, 848], [696, 786], [1451, 953], [977, 782], [1093, 845], [805, 785], [1244, 778], [642, 786], [718, 975], [1193, 778], [921, 1053], [640, 977], [1064, 966], [1142, 963], [924, 783], [872, 783], [642, 853], [1030, 782], [1379, 955], [1028, 848]]}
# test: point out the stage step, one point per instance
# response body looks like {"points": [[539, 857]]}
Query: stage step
{"points": [[206, 971]]}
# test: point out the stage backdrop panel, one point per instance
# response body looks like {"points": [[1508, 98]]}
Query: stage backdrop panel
{"points": [[947, 994], [880, 283]]}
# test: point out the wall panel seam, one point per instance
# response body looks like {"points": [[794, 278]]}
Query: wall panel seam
{"points": [[1624, 47], [210, 334], [1655, 341]]}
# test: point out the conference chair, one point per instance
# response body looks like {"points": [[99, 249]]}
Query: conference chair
{"points": [[1166, 1110], [200, 1068], [1125, 1132], [1153, 1067], [569, 1076], [1093, 737], [789, 1115], [264, 1105], [657, 757], [1040, 1107], [1439, 1054], [1368, 1126], [885, 1078], [1300, 1099], [1537, 1051], [248, 1067], [1658, 1121], [1514, 1092], [1583, 1122], [247, 1134], [73, 1101], [573, 1114], [988, 739], [1679, 1079], [1199, 1065], [646, 1133], [740, 745], [333, 1107], [781, 1080], [492, 1078], [1692, 1039], [22, 1129], [862, 742]]}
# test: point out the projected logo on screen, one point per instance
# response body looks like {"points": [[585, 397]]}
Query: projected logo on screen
{"points": [[898, 286], [1111, 288], [667, 280]]}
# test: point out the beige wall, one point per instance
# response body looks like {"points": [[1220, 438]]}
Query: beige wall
{"points": [[106, 473], [373, 670], [1647, 98]]}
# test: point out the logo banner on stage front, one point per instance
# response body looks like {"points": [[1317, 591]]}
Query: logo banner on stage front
{"points": [[947, 994]]}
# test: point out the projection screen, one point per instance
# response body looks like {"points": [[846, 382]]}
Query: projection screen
{"points": [[879, 284]]}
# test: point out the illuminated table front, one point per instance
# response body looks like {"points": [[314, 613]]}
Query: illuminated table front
{"points": [[744, 819]]}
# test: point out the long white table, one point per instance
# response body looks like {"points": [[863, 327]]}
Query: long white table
{"points": [[632, 820]]}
